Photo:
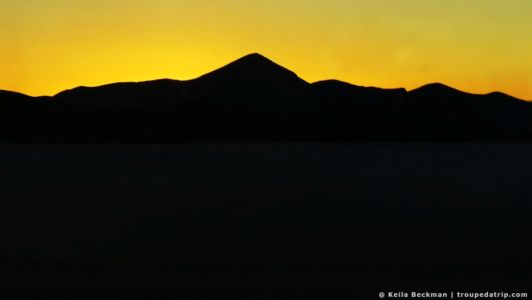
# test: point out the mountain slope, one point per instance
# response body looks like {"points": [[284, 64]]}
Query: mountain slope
{"points": [[157, 93], [10, 100]]}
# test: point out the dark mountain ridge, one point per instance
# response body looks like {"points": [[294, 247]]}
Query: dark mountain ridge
{"points": [[255, 99]]}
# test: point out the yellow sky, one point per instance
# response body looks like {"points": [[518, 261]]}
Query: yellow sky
{"points": [[474, 45]]}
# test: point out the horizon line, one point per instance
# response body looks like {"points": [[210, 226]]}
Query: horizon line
{"points": [[266, 58]]}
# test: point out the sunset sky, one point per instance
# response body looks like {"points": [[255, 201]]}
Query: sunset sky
{"points": [[474, 45]]}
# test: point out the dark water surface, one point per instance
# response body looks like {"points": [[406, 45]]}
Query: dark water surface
{"points": [[261, 221]]}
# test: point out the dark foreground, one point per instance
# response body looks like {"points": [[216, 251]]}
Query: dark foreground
{"points": [[264, 221]]}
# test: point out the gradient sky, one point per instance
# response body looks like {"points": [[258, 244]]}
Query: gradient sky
{"points": [[474, 45]]}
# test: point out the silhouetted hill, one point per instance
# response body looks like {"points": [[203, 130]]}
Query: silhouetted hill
{"points": [[253, 83], [157, 93], [11, 99], [255, 99]]}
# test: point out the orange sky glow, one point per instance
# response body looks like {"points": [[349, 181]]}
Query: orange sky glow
{"points": [[477, 46]]}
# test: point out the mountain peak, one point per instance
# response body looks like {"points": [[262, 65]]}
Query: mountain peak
{"points": [[255, 57], [255, 62], [437, 88], [254, 67]]}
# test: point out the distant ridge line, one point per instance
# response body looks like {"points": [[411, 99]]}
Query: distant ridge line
{"points": [[254, 99], [257, 57]]}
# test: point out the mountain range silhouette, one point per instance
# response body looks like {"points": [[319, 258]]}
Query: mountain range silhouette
{"points": [[256, 100]]}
